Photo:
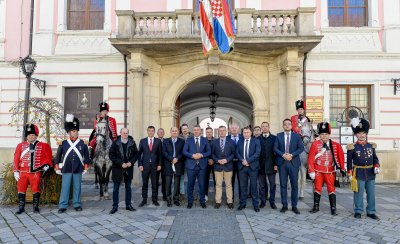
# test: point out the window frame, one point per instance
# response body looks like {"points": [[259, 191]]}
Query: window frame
{"points": [[346, 8], [348, 99], [87, 17]]}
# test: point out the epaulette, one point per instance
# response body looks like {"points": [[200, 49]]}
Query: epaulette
{"points": [[59, 142], [350, 146], [373, 144]]}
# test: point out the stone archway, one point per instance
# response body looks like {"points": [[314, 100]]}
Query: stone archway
{"points": [[246, 81]]}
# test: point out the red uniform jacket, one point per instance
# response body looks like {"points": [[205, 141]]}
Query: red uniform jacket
{"points": [[22, 157], [112, 125], [323, 162], [295, 122]]}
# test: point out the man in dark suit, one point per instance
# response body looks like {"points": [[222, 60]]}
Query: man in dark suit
{"points": [[223, 152], [173, 165], [268, 167], [210, 167], [248, 153], [160, 135], [288, 146], [123, 154], [150, 152], [196, 150], [235, 136]]}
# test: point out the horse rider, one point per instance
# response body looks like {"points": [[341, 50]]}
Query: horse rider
{"points": [[72, 161], [325, 158], [299, 119], [104, 118], [30, 158]]}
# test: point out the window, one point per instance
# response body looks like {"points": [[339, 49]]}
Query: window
{"points": [[348, 13], [342, 97], [197, 2], [85, 15]]}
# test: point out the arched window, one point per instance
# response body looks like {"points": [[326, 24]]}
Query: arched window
{"points": [[85, 14]]}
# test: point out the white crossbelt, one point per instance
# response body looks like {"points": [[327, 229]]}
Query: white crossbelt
{"points": [[24, 152], [72, 147]]}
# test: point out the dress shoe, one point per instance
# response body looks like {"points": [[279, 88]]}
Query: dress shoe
{"points": [[78, 209], [203, 205], [284, 209], [295, 210], [169, 204], [273, 206], [189, 206], [142, 203], [357, 215], [165, 199], [156, 203], [62, 210], [130, 208], [177, 203], [262, 205], [301, 198], [113, 210], [230, 205], [217, 205], [241, 207], [257, 209], [373, 216]]}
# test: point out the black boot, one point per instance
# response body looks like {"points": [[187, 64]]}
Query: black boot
{"points": [[21, 202], [36, 197], [332, 201], [317, 198]]}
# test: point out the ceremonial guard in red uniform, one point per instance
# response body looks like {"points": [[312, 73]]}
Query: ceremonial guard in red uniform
{"points": [[299, 119], [104, 118], [325, 158], [31, 157]]}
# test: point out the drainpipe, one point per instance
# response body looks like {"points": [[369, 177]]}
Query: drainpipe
{"points": [[31, 27], [305, 79], [126, 93]]}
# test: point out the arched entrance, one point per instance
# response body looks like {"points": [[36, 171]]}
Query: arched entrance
{"points": [[242, 96], [234, 104]]}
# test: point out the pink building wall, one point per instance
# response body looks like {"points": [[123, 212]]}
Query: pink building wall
{"points": [[149, 6], [16, 36], [277, 4]]}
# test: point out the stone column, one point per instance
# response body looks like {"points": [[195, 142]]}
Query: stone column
{"points": [[184, 22], [260, 116], [244, 20], [126, 23], [135, 105], [290, 67]]}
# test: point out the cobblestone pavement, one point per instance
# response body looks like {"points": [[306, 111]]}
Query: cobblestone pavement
{"points": [[152, 224]]}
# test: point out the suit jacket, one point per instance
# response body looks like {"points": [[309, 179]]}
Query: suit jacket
{"points": [[145, 156], [168, 153], [116, 155], [296, 147], [228, 154], [190, 148], [267, 156], [254, 153]]}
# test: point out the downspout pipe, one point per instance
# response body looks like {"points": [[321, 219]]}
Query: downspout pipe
{"points": [[125, 92], [305, 79], [31, 27]]}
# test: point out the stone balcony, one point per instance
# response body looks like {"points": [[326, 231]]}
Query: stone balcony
{"points": [[261, 31]]}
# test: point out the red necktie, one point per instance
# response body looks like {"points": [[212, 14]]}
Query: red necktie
{"points": [[151, 144]]}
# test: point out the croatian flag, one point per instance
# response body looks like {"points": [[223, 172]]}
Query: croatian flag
{"points": [[223, 23], [217, 25], [206, 20]]}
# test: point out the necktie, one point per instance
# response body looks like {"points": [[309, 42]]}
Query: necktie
{"points": [[173, 146], [222, 145], [246, 150], [287, 143], [197, 145], [151, 144]]}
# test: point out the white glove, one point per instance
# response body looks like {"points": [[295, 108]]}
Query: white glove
{"points": [[173, 168], [58, 171], [312, 175], [16, 175], [350, 177], [84, 172], [45, 168], [376, 170]]}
